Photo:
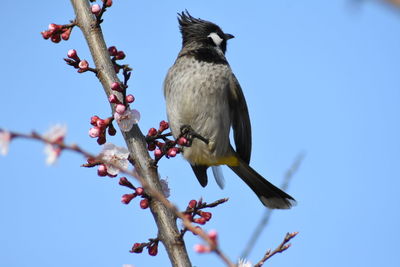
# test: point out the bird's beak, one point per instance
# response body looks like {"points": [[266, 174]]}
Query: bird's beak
{"points": [[229, 36]]}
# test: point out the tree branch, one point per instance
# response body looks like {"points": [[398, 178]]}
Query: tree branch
{"points": [[164, 217]]}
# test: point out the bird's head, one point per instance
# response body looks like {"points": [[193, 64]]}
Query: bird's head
{"points": [[202, 32]]}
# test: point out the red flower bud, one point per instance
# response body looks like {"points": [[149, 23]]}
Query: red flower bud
{"points": [[120, 55], [136, 248], [200, 220], [101, 140], [101, 123], [127, 198], [182, 141], [163, 126], [172, 152], [144, 203], [151, 146], [124, 182], [96, 9], [111, 130], [153, 249], [112, 50], [152, 132], [109, 3], [157, 153], [206, 215], [192, 204], [46, 34], [56, 38]]}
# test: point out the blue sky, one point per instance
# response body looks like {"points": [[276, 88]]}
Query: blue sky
{"points": [[318, 76]]}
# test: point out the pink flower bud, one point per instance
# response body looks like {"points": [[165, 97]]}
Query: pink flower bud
{"points": [[112, 50], [93, 120], [66, 33], [139, 191], [116, 87], [212, 234], [152, 132], [120, 55], [113, 99], [101, 123], [182, 141], [102, 170], [73, 54], [130, 98], [144, 203], [83, 65], [157, 153], [120, 109], [54, 27], [96, 9], [94, 132], [127, 198], [201, 248], [172, 152]]}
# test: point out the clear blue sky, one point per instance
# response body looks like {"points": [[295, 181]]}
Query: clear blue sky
{"points": [[319, 76]]}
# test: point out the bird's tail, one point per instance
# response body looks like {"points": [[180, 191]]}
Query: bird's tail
{"points": [[270, 195]]}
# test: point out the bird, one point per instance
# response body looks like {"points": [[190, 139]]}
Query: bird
{"points": [[203, 97]]}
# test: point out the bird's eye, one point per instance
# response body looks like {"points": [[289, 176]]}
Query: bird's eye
{"points": [[215, 38]]}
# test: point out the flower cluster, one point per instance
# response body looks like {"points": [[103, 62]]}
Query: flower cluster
{"points": [[112, 160], [57, 32]]}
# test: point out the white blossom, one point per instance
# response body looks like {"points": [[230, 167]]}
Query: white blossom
{"points": [[115, 158], [127, 119], [244, 263], [55, 134]]}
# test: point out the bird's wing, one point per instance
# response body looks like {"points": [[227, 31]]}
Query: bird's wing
{"points": [[240, 120]]}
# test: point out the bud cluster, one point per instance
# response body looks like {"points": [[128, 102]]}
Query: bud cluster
{"points": [[57, 32], [74, 61], [100, 127], [138, 191], [195, 214], [159, 142], [152, 247]]}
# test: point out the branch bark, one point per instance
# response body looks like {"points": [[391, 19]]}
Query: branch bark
{"points": [[165, 219]]}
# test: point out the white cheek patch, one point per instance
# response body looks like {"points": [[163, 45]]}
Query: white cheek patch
{"points": [[216, 39]]}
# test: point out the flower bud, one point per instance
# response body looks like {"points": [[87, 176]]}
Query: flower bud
{"points": [[102, 170], [127, 198], [112, 50], [83, 65], [96, 9], [120, 109], [163, 126], [124, 182], [113, 99], [136, 248], [73, 54], [130, 98], [94, 132], [144, 203], [116, 87], [192, 204], [139, 191], [153, 249], [152, 132], [120, 55]]}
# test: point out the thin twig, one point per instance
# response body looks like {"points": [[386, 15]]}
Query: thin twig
{"points": [[281, 248]]}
